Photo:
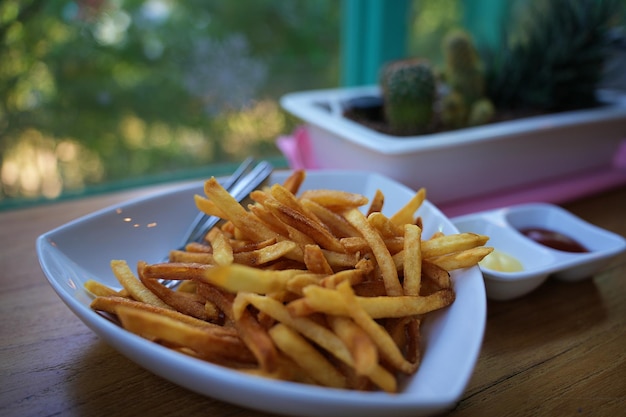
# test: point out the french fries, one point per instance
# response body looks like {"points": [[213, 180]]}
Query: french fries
{"points": [[316, 287]]}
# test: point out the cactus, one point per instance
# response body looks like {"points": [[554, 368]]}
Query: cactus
{"points": [[409, 91], [453, 112], [482, 112], [554, 55], [463, 73]]}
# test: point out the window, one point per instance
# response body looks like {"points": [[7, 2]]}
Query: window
{"points": [[98, 94], [103, 94]]}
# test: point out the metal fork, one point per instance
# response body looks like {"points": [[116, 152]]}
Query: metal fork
{"points": [[240, 184]]}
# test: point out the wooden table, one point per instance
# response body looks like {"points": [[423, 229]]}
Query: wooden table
{"points": [[558, 351]]}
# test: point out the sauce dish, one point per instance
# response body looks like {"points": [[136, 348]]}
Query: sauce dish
{"points": [[513, 232]]}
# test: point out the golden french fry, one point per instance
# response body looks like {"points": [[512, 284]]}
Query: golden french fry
{"points": [[198, 247], [187, 303], [306, 356], [187, 286], [314, 229], [259, 196], [112, 303], [253, 334], [232, 278], [413, 347], [359, 244], [355, 244], [336, 223], [377, 203], [179, 256], [247, 246], [452, 243], [264, 215], [208, 207], [318, 333], [387, 347], [339, 260], [301, 281], [463, 259], [258, 341], [96, 289], [315, 261], [353, 276], [300, 238], [385, 226], [222, 251], [286, 198], [371, 288], [335, 200], [244, 221], [132, 284], [407, 213], [360, 345], [265, 254], [208, 344], [412, 259], [436, 276], [211, 310], [380, 251], [295, 180], [325, 300], [447, 245]]}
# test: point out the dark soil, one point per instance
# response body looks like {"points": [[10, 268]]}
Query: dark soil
{"points": [[368, 111]]}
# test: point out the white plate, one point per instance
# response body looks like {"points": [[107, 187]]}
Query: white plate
{"points": [[540, 262], [147, 228]]}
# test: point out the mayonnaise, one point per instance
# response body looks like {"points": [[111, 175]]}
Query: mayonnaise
{"points": [[501, 261]]}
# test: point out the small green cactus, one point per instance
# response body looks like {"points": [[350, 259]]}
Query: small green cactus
{"points": [[482, 112], [463, 71], [453, 111], [409, 91]]}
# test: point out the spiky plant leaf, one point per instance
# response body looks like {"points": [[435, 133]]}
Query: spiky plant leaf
{"points": [[554, 57]]}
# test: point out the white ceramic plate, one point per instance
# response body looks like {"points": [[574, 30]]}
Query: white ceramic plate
{"points": [[540, 262], [147, 228]]}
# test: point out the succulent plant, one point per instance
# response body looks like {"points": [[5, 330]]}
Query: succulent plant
{"points": [[453, 111], [465, 104], [481, 112], [409, 91], [463, 70], [553, 56]]}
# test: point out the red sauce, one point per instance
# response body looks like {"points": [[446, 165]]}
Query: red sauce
{"points": [[554, 240]]}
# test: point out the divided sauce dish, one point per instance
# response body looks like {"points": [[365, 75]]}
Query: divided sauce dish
{"points": [[506, 228]]}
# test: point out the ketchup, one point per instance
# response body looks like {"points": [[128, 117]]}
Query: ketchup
{"points": [[554, 240]]}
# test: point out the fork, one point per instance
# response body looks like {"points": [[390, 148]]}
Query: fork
{"points": [[240, 184]]}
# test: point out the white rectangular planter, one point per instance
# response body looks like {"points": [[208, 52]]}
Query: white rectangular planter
{"points": [[465, 163]]}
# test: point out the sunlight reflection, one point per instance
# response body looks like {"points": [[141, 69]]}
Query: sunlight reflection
{"points": [[111, 27], [262, 122], [40, 165], [97, 94], [134, 131]]}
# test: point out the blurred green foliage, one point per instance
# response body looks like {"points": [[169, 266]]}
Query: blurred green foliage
{"points": [[96, 94], [98, 91]]}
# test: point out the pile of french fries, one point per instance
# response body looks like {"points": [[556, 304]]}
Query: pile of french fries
{"points": [[313, 286]]}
